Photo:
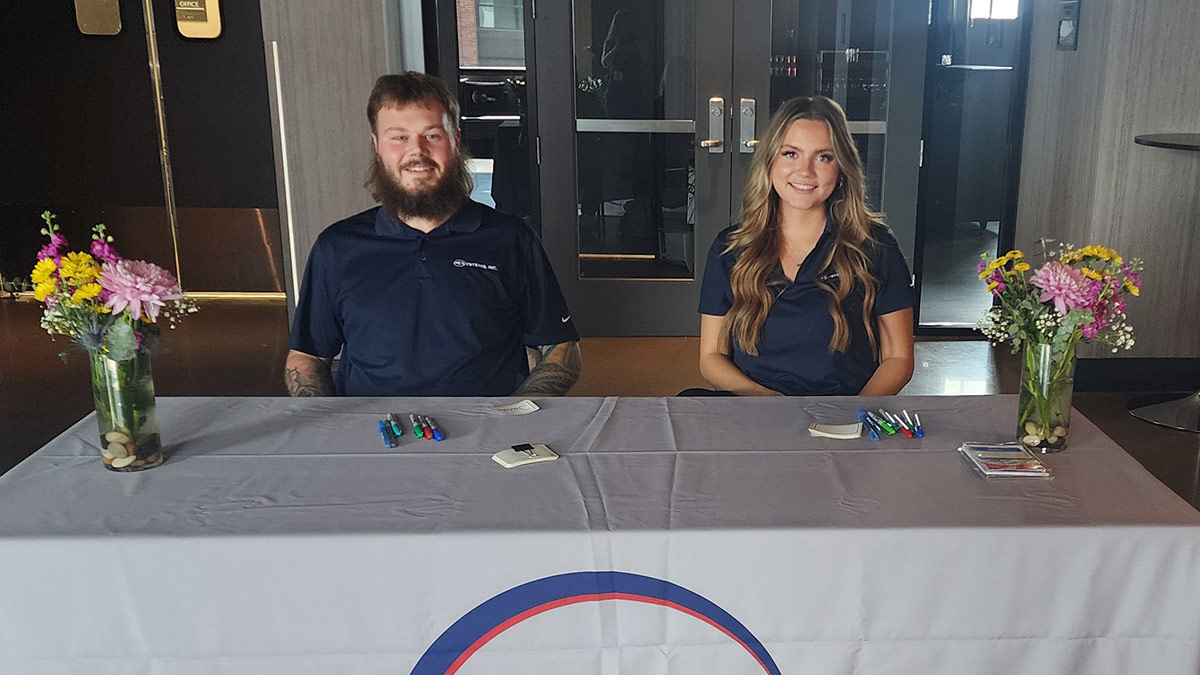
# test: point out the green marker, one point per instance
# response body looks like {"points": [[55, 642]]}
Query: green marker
{"points": [[417, 431], [391, 420], [882, 423]]}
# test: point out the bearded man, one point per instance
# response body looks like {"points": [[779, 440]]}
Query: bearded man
{"points": [[430, 293]]}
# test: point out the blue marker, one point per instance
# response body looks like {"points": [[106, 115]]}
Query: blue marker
{"points": [[433, 428], [387, 436], [869, 424], [919, 430]]}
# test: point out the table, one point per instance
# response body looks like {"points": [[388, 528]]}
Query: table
{"points": [[673, 536]]}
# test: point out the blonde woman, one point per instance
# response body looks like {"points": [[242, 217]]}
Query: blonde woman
{"points": [[809, 294]]}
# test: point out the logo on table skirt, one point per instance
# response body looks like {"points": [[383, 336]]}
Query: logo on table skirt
{"points": [[466, 636], [459, 262]]}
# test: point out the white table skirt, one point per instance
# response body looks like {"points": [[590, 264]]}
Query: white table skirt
{"points": [[281, 537]]}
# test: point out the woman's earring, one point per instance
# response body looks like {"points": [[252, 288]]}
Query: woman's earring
{"points": [[841, 182]]}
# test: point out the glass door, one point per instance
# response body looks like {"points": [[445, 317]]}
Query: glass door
{"points": [[634, 159], [975, 105]]}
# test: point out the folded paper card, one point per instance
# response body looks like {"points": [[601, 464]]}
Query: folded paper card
{"points": [[520, 455], [836, 430]]}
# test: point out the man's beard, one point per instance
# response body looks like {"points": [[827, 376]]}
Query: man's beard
{"points": [[435, 202]]}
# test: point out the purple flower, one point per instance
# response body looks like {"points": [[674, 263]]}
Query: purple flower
{"points": [[140, 286], [1062, 284], [54, 248], [103, 251]]}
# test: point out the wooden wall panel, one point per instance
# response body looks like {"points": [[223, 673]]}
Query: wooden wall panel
{"points": [[1084, 179], [321, 68]]}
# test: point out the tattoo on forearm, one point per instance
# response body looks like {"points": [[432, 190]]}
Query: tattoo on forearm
{"points": [[550, 378], [307, 383]]}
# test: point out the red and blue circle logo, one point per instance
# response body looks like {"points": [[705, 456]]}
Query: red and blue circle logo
{"points": [[466, 636]]}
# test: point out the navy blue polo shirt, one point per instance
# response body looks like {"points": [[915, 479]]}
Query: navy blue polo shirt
{"points": [[448, 313], [793, 354]]}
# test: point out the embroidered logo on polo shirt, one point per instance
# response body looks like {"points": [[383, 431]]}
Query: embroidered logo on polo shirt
{"points": [[459, 262]]}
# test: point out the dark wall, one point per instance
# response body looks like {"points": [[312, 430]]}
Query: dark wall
{"points": [[78, 136]]}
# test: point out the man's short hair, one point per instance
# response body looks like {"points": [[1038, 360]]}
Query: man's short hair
{"points": [[411, 87]]}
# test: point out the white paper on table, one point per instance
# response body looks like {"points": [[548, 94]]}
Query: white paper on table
{"points": [[519, 408]]}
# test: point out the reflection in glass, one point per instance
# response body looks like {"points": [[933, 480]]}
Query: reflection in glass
{"points": [[491, 33], [633, 59], [634, 102], [492, 98], [635, 205]]}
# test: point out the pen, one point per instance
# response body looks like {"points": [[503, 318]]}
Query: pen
{"points": [[920, 430], [387, 437], [881, 423], [433, 428], [417, 430], [391, 420]]}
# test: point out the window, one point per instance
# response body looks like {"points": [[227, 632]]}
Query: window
{"points": [[994, 9]]}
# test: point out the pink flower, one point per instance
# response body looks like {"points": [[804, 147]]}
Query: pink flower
{"points": [[1062, 284], [140, 286], [103, 251], [54, 248]]}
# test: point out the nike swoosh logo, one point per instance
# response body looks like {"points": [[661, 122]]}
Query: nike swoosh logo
{"points": [[566, 318]]}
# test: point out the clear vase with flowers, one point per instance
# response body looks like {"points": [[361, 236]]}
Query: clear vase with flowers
{"points": [[110, 307], [1074, 295]]}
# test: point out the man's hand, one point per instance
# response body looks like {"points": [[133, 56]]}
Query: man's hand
{"points": [[556, 371], [307, 375]]}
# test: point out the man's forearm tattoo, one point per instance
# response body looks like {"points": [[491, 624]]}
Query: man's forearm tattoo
{"points": [[301, 383], [552, 378]]}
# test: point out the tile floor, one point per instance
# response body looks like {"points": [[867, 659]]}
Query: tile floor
{"points": [[238, 347]]}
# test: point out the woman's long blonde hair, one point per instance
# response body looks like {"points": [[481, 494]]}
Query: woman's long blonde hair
{"points": [[756, 240]]}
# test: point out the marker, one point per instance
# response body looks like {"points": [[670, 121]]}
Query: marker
{"points": [[910, 422], [873, 430], [881, 423], [433, 428], [417, 430], [385, 433], [920, 430], [391, 420], [889, 422], [898, 422]]}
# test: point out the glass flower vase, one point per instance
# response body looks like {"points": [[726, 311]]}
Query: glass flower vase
{"points": [[126, 413], [1047, 383]]}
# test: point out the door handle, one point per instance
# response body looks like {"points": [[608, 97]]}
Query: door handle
{"points": [[746, 117], [716, 126]]}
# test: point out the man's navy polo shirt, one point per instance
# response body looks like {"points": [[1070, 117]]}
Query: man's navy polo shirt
{"points": [[793, 354], [447, 313]]}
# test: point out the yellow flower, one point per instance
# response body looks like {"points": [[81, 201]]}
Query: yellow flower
{"points": [[1133, 290], [79, 266], [85, 292], [992, 286], [1021, 267], [42, 270], [43, 290], [1015, 254], [1091, 273]]}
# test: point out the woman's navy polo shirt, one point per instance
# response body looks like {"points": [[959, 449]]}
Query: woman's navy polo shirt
{"points": [[793, 354], [447, 313]]}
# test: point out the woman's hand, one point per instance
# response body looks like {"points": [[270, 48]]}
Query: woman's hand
{"points": [[895, 354], [716, 366]]}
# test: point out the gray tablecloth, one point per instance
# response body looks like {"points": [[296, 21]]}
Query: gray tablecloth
{"points": [[281, 537]]}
